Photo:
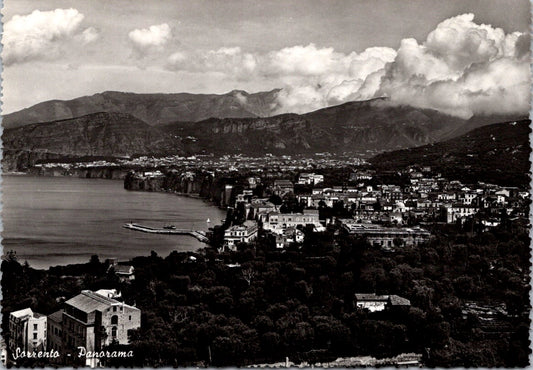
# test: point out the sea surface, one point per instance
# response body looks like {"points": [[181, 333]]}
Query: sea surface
{"points": [[52, 221]]}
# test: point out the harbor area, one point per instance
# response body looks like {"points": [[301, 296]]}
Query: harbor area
{"points": [[198, 234]]}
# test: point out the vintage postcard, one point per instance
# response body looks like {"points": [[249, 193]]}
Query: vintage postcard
{"points": [[246, 183]]}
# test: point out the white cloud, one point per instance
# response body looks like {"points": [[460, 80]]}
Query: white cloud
{"points": [[89, 35], [42, 35], [151, 39], [462, 68], [307, 73]]}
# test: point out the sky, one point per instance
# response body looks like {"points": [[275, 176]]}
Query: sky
{"points": [[461, 57]]}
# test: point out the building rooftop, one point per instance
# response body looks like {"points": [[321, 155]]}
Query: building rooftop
{"points": [[88, 301], [123, 269], [22, 313], [56, 316], [396, 300], [370, 297]]}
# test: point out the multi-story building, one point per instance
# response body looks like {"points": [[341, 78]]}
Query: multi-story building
{"points": [[3, 352], [457, 211], [310, 179], [244, 233], [54, 334], [277, 222], [27, 331], [386, 237], [93, 321], [282, 187]]}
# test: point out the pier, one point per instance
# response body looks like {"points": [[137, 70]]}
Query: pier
{"points": [[198, 234]]}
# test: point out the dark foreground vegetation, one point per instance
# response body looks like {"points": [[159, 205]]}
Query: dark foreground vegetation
{"points": [[260, 305]]}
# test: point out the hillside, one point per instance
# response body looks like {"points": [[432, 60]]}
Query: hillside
{"points": [[154, 109], [353, 127], [497, 153], [97, 134]]}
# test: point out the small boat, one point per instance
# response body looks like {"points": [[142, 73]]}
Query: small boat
{"points": [[208, 220], [170, 227]]}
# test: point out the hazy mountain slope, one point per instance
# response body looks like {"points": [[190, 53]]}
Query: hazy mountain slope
{"points": [[154, 109], [351, 127], [497, 153], [97, 134]]}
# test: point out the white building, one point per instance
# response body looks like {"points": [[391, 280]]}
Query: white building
{"points": [[454, 212], [240, 234], [28, 330], [310, 179], [277, 222], [373, 302], [385, 237], [93, 321]]}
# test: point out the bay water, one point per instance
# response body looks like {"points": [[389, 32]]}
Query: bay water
{"points": [[52, 221]]}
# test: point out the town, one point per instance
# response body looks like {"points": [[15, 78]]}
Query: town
{"points": [[388, 215], [308, 220]]}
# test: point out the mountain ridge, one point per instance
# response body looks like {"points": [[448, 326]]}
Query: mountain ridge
{"points": [[95, 134], [355, 127], [153, 108], [352, 128]]}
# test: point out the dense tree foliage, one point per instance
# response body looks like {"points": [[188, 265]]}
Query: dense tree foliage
{"points": [[260, 304]]}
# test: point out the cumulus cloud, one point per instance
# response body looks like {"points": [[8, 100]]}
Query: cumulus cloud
{"points": [[307, 73], [89, 35], [149, 40], [462, 68], [43, 34]]}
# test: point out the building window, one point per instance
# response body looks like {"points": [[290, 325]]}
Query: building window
{"points": [[114, 308], [114, 332], [34, 326], [130, 317], [34, 335], [114, 320]]}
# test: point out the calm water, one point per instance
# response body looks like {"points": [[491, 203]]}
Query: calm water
{"points": [[60, 220]]}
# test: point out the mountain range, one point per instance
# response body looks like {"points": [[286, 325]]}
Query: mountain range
{"points": [[154, 109], [129, 124]]}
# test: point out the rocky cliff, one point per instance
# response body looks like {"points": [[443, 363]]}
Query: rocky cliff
{"points": [[202, 185]]}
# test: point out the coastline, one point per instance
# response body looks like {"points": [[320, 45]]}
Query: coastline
{"points": [[46, 244]]}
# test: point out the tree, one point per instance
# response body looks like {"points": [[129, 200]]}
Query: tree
{"points": [[248, 274]]}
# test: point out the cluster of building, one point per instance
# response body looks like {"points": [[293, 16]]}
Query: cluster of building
{"points": [[90, 320], [224, 164], [426, 198], [387, 215], [285, 227]]}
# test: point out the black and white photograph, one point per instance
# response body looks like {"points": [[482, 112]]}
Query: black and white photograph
{"points": [[265, 183]]}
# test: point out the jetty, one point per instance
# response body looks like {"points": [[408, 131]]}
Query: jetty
{"points": [[198, 234]]}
